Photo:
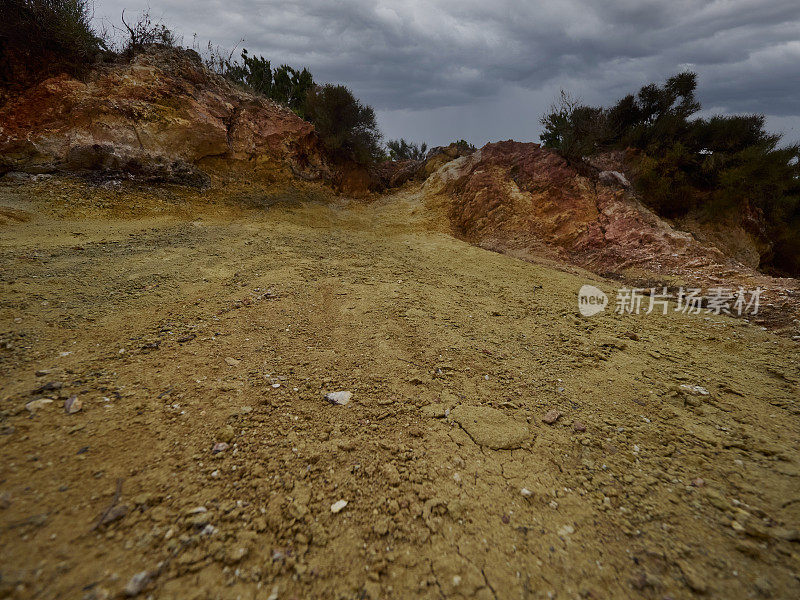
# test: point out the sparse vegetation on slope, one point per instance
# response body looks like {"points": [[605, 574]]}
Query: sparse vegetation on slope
{"points": [[720, 167], [144, 32], [403, 150], [283, 84]]}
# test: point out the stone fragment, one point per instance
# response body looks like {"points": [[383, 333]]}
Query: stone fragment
{"points": [[340, 398], [219, 447], [137, 583], [551, 416], [36, 405], [72, 405]]}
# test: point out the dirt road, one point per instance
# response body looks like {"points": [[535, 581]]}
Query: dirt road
{"points": [[200, 335]]}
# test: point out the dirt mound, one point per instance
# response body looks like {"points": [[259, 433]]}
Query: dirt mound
{"points": [[160, 116], [525, 200]]}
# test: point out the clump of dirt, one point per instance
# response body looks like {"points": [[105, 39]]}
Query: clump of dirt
{"points": [[201, 334]]}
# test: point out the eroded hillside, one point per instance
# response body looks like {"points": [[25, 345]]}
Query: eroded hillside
{"points": [[529, 202]]}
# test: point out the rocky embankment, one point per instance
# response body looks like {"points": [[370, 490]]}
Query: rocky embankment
{"points": [[528, 201], [162, 116]]}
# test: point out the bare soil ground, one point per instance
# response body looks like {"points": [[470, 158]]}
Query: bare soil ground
{"points": [[181, 321]]}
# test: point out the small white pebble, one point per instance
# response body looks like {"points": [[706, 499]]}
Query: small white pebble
{"points": [[338, 506], [566, 530]]}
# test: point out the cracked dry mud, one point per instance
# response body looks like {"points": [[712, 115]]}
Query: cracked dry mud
{"points": [[201, 337]]}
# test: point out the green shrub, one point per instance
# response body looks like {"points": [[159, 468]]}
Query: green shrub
{"points": [[403, 150], [571, 128], [283, 84], [664, 182], [464, 146], [347, 128], [43, 38]]}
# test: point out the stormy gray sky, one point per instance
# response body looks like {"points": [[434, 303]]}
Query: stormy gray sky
{"points": [[485, 70]]}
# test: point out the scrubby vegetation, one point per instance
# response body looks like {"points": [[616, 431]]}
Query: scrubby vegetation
{"points": [[464, 146], [144, 32], [283, 84], [403, 150], [347, 127], [720, 167], [42, 38]]}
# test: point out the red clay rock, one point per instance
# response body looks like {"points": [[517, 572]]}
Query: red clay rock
{"points": [[551, 416], [164, 106]]}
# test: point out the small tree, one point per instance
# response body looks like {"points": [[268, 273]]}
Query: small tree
{"points": [[575, 130], [403, 150], [290, 87], [347, 128]]}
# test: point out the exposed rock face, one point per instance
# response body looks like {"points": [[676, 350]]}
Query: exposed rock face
{"points": [[159, 115], [440, 155], [741, 235], [525, 200], [512, 193]]}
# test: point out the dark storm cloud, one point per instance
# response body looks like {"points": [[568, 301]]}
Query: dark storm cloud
{"points": [[413, 58]]}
